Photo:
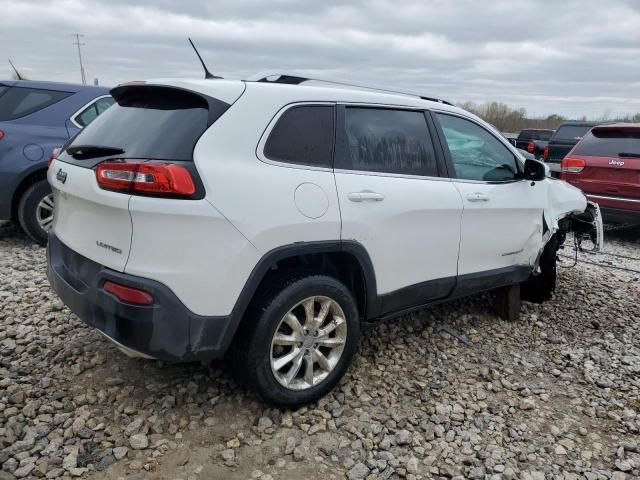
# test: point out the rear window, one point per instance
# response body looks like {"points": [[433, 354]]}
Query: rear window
{"points": [[609, 143], [303, 135], [571, 132], [17, 102], [160, 123]]}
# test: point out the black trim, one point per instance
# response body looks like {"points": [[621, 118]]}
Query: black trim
{"points": [[620, 216], [271, 258], [471, 283], [166, 330], [416, 295]]}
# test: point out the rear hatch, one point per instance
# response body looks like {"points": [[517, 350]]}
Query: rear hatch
{"points": [[564, 140], [610, 160], [142, 145]]}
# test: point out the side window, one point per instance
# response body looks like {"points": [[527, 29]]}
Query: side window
{"points": [[476, 154], [103, 103], [90, 113], [387, 141], [18, 102], [303, 135]]}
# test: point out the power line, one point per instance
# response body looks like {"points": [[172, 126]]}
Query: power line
{"points": [[79, 44]]}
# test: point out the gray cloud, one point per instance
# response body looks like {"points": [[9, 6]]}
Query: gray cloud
{"points": [[573, 57]]}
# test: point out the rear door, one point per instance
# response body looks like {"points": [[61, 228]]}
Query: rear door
{"points": [[611, 172], [396, 202], [502, 218]]}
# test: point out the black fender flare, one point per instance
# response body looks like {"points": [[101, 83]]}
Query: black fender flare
{"points": [[278, 254]]}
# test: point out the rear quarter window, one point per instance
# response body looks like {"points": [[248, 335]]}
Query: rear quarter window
{"points": [[18, 102], [303, 135], [609, 143]]}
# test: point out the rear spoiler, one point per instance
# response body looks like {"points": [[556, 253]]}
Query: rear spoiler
{"points": [[163, 96]]}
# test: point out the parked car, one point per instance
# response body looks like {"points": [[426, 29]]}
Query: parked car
{"points": [[36, 117], [533, 140], [605, 165], [511, 137], [562, 141], [274, 220]]}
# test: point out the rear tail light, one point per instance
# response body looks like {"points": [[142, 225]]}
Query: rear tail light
{"points": [[546, 152], [128, 294], [1, 134], [530, 147], [54, 153], [145, 177], [573, 165]]}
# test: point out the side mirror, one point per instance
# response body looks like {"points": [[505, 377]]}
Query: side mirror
{"points": [[534, 170]]}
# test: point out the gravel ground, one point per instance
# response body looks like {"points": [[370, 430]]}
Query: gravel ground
{"points": [[451, 391]]}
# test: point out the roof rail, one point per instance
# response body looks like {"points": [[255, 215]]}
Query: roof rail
{"points": [[289, 79]]}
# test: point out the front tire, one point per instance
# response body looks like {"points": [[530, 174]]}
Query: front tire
{"points": [[298, 340], [35, 211]]}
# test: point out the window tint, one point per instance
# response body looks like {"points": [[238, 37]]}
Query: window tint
{"points": [[18, 102], [609, 143], [90, 113], [387, 141], [303, 135], [571, 132], [476, 154], [161, 123]]}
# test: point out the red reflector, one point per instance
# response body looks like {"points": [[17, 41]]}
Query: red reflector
{"points": [[54, 153], [145, 177], [128, 294], [573, 165], [546, 152], [530, 147]]}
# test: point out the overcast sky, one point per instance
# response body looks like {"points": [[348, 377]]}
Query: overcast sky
{"points": [[575, 58]]}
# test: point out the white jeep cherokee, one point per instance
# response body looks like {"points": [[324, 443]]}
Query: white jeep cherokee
{"points": [[274, 217]]}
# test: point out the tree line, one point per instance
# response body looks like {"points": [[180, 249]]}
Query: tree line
{"points": [[507, 119]]}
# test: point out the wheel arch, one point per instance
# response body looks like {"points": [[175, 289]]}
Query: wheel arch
{"points": [[35, 174], [348, 261]]}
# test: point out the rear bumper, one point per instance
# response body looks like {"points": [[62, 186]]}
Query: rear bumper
{"points": [[166, 330]]}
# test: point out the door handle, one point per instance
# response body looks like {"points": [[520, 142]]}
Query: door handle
{"points": [[365, 195], [477, 197]]}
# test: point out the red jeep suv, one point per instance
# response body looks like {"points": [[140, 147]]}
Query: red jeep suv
{"points": [[605, 165]]}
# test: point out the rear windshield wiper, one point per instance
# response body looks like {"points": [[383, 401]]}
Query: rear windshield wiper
{"points": [[91, 151], [628, 154]]}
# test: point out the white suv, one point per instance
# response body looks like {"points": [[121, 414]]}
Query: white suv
{"points": [[272, 218]]}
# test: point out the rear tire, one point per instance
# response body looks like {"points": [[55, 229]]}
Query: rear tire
{"points": [[35, 211], [538, 288], [267, 340]]}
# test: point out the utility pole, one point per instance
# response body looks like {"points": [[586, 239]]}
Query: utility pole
{"points": [[79, 44]]}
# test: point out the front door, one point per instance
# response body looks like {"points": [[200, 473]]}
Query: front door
{"points": [[502, 224]]}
